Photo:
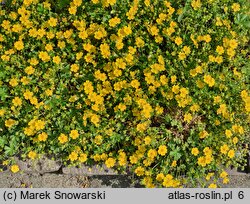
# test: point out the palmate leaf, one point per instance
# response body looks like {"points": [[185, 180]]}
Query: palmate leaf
{"points": [[2, 93], [176, 154], [243, 19], [2, 141], [2, 74], [10, 149]]}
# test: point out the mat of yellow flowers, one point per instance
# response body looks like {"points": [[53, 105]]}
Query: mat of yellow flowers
{"points": [[161, 87]]}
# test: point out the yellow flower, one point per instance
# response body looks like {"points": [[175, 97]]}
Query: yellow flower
{"points": [[162, 150], [223, 174], [49, 47], [29, 70], [25, 80], [207, 38], [72, 10], [88, 87], [196, 4], [2, 112], [188, 117], [98, 35], [207, 151], [119, 44], [228, 133], [209, 175], [217, 99], [34, 101], [195, 108], [203, 134], [74, 67], [19, 45], [209, 159], [182, 56], [9, 123], [154, 30], [212, 185], [77, 2], [97, 157], [98, 139], [114, 21], [32, 155], [105, 51], [83, 34], [160, 177], [74, 134], [83, 157], [29, 131], [79, 55], [6, 162], [200, 84], [122, 158], [62, 138], [209, 80], [220, 50], [111, 2], [46, 4], [44, 56], [168, 181], [152, 153], [233, 44], [147, 140], [147, 2], [195, 151], [133, 159], [178, 41], [159, 110], [139, 171], [235, 7], [42, 137], [17, 101], [202, 161], [52, 22], [95, 119], [176, 89], [222, 109], [13, 82], [235, 140], [14, 168], [231, 153], [73, 156], [174, 163], [244, 94], [225, 180], [39, 124], [224, 149], [110, 162], [139, 42], [231, 52]]}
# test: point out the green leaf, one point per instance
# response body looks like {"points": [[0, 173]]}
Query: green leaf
{"points": [[2, 141], [40, 8], [2, 93], [175, 153]]}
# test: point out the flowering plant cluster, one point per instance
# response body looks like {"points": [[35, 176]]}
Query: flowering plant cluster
{"points": [[159, 86]]}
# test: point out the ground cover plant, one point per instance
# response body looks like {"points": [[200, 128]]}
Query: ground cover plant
{"points": [[160, 87]]}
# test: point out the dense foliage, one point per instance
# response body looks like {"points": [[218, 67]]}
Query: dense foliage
{"points": [[161, 87]]}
